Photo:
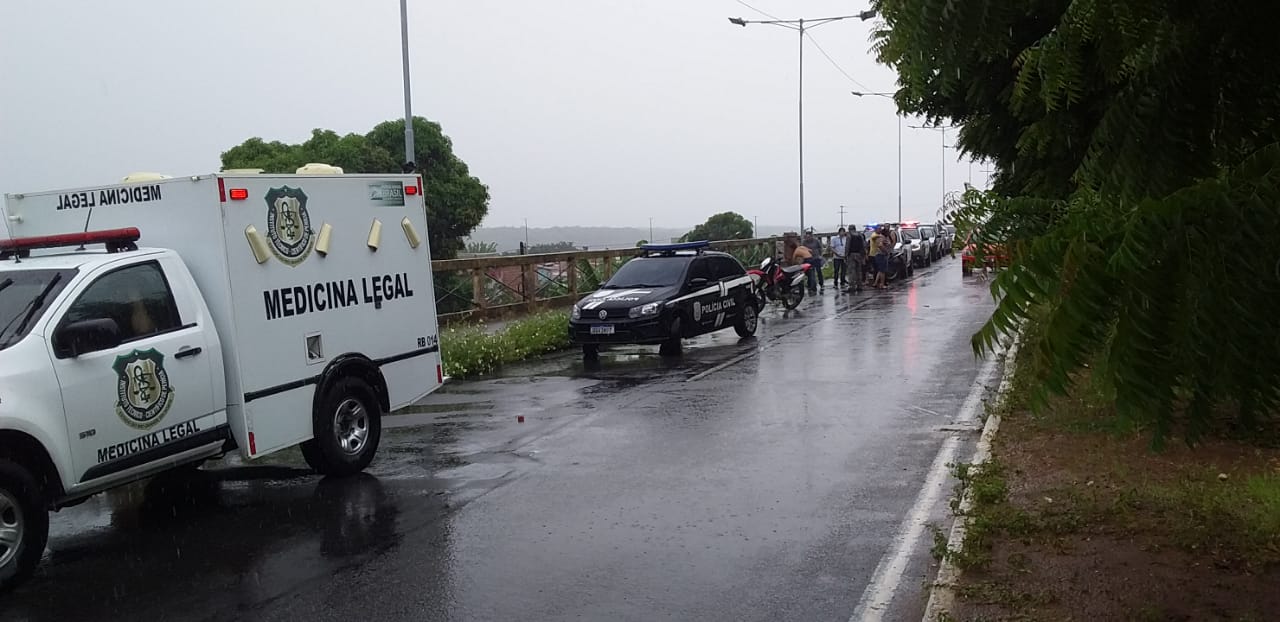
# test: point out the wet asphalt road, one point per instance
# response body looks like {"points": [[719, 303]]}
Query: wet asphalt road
{"points": [[755, 480]]}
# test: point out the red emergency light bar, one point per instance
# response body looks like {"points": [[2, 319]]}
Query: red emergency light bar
{"points": [[910, 224], [115, 240]]}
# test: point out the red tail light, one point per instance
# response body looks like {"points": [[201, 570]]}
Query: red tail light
{"points": [[411, 190], [239, 194]]}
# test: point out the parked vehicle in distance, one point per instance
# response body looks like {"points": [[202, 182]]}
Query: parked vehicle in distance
{"points": [[900, 253], [933, 240], [920, 252], [953, 240], [991, 257], [671, 292]]}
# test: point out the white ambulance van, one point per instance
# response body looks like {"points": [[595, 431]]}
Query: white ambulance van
{"points": [[163, 321]]}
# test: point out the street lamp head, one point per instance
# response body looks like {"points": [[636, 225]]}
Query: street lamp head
{"points": [[738, 21], [866, 15], [857, 93]]}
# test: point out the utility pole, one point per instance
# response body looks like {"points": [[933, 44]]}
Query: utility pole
{"points": [[842, 213], [800, 26], [408, 165], [650, 228]]}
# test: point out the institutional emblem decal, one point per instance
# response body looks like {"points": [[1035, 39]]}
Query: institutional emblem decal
{"points": [[143, 392], [697, 311], [289, 225]]}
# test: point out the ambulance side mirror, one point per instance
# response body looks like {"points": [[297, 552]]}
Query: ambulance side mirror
{"points": [[86, 336]]}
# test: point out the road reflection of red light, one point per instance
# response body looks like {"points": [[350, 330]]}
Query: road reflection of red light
{"points": [[911, 345]]}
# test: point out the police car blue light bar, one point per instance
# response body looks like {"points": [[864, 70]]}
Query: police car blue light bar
{"points": [[671, 248]]}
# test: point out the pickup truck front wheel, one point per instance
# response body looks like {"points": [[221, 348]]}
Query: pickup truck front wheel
{"points": [[347, 428], [24, 524]]}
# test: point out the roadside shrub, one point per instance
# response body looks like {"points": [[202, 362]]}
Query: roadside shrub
{"points": [[471, 351]]}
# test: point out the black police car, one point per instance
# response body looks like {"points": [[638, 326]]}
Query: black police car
{"points": [[671, 292]]}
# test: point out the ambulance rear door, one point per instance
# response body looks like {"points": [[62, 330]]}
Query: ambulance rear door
{"points": [[324, 267]]}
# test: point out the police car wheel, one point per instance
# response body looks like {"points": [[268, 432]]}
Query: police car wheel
{"points": [[347, 428], [672, 346], [746, 326], [24, 525]]}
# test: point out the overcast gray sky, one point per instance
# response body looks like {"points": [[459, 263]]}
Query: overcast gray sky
{"points": [[572, 111]]}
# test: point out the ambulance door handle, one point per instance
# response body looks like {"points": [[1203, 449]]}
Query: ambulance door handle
{"points": [[187, 351]]}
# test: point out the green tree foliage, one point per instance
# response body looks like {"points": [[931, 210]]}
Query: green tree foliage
{"points": [[722, 226], [1137, 186], [456, 200], [551, 247]]}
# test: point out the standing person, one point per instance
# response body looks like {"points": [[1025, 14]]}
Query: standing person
{"points": [[814, 245], [855, 253], [880, 256], [839, 251]]}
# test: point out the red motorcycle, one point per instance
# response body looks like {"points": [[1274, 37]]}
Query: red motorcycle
{"points": [[773, 281]]}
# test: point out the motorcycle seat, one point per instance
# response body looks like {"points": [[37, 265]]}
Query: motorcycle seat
{"points": [[792, 269]]}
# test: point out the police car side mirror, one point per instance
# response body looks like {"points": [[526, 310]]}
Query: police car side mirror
{"points": [[86, 336], [698, 283]]}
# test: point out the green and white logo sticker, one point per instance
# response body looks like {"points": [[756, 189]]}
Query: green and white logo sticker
{"points": [[386, 193], [143, 392], [289, 225]]}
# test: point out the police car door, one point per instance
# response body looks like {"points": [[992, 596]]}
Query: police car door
{"points": [[147, 398], [703, 291], [733, 285]]}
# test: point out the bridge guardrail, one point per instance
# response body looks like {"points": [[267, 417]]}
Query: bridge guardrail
{"points": [[506, 285]]}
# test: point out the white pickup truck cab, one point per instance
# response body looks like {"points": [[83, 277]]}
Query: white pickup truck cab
{"points": [[159, 323]]}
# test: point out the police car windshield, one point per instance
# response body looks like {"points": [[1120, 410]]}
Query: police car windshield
{"points": [[24, 297], [649, 272], [911, 234]]}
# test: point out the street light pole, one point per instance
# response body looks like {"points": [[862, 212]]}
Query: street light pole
{"points": [[408, 107], [889, 96], [800, 124], [800, 26], [899, 166]]}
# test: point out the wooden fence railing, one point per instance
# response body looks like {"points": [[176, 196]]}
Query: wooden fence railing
{"points": [[493, 287]]}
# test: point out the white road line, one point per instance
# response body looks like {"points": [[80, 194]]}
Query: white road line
{"points": [[889, 572], [775, 339], [733, 361]]}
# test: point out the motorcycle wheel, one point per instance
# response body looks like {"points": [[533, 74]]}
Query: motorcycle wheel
{"points": [[793, 296]]}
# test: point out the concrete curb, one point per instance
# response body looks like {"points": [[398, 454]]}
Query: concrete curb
{"points": [[942, 596]]}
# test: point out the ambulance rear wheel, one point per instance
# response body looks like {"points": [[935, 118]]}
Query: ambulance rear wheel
{"points": [[347, 428], [24, 525]]}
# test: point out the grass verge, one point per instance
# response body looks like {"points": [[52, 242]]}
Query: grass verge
{"points": [[470, 351], [1077, 517]]}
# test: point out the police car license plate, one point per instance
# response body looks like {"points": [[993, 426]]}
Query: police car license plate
{"points": [[602, 329]]}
